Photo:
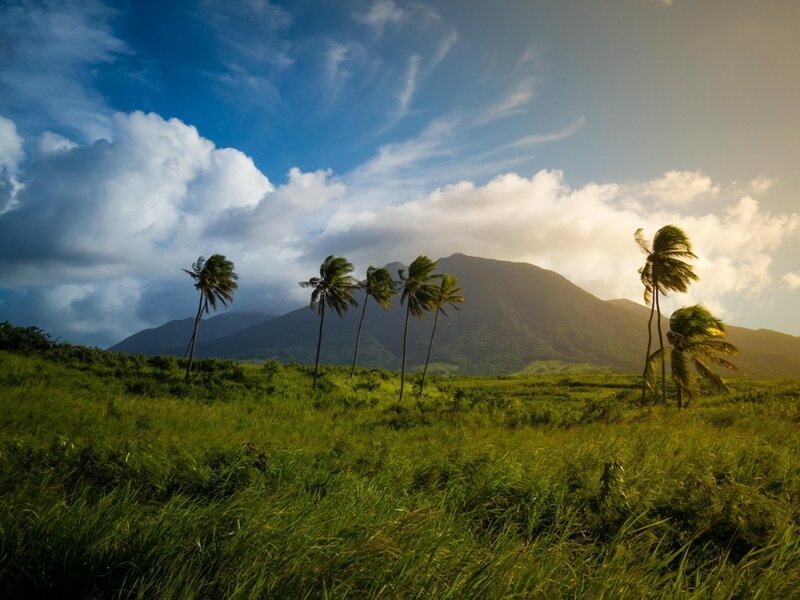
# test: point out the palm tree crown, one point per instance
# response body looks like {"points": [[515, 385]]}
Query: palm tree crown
{"points": [[418, 293], [215, 279], [380, 286], [695, 338], [332, 289], [665, 267], [448, 293]]}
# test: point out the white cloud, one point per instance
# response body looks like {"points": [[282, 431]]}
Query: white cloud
{"points": [[51, 50], [761, 184], [119, 206], [544, 138], [409, 86], [50, 143], [380, 14], [336, 74], [394, 158], [444, 46], [100, 228], [512, 104], [681, 188], [792, 280], [11, 154]]}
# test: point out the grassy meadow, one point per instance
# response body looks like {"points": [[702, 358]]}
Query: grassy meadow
{"points": [[118, 480]]}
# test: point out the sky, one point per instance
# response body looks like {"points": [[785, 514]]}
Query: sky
{"points": [[136, 136]]}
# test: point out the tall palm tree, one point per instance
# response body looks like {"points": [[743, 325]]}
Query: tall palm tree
{"points": [[419, 296], [216, 281], [333, 288], [665, 270], [695, 337], [380, 286], [447, 293]]}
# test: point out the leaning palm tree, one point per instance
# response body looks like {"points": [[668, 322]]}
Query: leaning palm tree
{"points": [[216, 281], [419, 296], [333, 288], [447, 293], [665, 270], [380, 286], [695, 337]]}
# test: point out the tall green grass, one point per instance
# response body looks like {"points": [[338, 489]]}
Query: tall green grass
{"points": [[116, 480]]}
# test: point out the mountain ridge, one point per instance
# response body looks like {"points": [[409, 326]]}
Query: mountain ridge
{"points": [[515, 314]]}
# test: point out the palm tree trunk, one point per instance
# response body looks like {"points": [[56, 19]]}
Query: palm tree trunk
{"points": [[661, 346], [428, 359], [405, 345], [358, 335], [649, 345], [190, 349], [319, 343]]}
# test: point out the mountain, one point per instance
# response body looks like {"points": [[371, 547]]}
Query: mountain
{"points": [[515, 314], [173, 337]]}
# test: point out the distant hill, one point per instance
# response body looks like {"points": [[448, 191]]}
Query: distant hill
{"points": [[516, 317], [173, 337]]}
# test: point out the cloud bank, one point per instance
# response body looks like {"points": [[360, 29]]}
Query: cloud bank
{"points": [[93, 244]]}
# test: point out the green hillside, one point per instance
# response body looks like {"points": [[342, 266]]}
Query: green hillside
{"points": [[118, 480], [515, 314], [171, 338]]}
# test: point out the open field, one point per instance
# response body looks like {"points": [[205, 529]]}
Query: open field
{"points": [[117, 480]]}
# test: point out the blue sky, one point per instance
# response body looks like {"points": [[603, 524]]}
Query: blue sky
{"points": [[136, 136]]}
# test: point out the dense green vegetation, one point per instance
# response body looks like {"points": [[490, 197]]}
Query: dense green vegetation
{"points": [[119, 480]]}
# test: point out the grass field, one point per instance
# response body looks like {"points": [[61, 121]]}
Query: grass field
{"points": [[117, 480]]}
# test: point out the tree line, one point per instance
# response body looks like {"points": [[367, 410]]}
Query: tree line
{"points": [[421, 289], [694, 336]]}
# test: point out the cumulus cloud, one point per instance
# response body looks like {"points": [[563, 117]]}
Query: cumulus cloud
{"points": [[50, 142], [11, 155], [114, 206], [99, 231], [681, 188]]}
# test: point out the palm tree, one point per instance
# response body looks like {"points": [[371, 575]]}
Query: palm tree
{"points": [[333, 288], [381, 287], [665, 270], [447, 293], [216, 280], [694, 336], [419, 296]]}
